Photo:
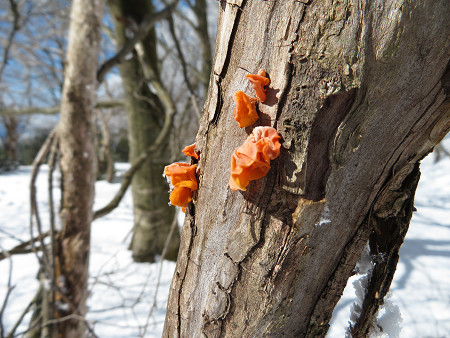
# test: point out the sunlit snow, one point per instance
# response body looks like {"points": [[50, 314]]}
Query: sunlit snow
{"points": [[122, 292]]}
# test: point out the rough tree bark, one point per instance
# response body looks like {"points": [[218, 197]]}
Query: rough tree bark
{"points": [[359, 94], [146, 114], [77, 166]]}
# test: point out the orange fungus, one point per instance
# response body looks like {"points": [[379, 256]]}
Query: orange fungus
{"points": [[251, 160], [190, 151], [245, 112], [184, 182], [259, 82]]}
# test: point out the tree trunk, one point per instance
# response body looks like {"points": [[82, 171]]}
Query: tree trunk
{"points": [[200, 11], [11, 124], [152, 214], [77, 166], [359, 94]]}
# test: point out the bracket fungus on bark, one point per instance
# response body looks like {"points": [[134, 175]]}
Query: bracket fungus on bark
{"points": [[251, 160]]}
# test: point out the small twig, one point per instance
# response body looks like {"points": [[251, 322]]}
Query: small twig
{"points": [[55, 109], [22, 316], [163, 255], [33, 204], [23, 247], [196, 108], [7, 233], [5, 301], [183, 16], [180, 54], [40, 157], [14, 30], [63, 319], [52, 158]]}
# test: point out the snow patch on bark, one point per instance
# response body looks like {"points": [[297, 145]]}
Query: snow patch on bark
{"points": [[325, 217], [388, 321]]}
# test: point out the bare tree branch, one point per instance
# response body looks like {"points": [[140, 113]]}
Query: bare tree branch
{"points": [[10, 287], [163, 255], [55, 110], [52, 158], [23, 248], [136, 165], [34, 212], [14, 30], [197, 110], [22, 316], [180, 54], [128, 47]]}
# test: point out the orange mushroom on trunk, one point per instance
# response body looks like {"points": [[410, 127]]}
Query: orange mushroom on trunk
{"points": [[259, 82], [245, 112], [184, 182], [251, 160], [190, 151]]}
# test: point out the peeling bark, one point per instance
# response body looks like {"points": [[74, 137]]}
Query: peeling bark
{"points": [[359, 94]]}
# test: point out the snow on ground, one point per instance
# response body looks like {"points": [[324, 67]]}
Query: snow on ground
{"points": [[421, 285], [122, 292]]}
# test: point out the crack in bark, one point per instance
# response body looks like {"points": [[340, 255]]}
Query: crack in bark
{"points": [[225, 65], [320, 317], [290, 72], [285, 249], [249, 252], [188, 260], [386, 243], [328, 118]]}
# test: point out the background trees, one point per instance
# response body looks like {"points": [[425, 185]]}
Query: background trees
{"points": [[34, 49], [346, 99], [78, 169], [146, 116], [303, 135], [162, 70]]}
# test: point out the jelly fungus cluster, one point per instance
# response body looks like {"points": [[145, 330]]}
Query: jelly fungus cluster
{"points": [[182, 178], [251, 160]]}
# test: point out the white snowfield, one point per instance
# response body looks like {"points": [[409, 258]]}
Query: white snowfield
{"points": [[122, 292]]}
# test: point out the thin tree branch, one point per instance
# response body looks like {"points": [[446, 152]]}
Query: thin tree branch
{"points": [[180, 54], [128, 47], [61, 320], [40, 157], [14, 30], [52, 158], [23, 248], [55, 110], [183, 16], [197, 111], [22, 316], [163, 255], [5, 302]]}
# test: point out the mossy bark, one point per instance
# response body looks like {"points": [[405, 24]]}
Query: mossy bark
{"points": [[145, 112], [359, 94]]}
